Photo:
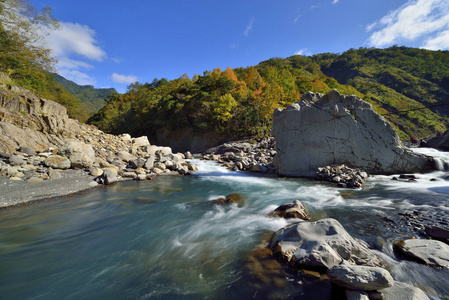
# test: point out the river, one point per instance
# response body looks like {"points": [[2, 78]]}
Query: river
{"points": [[164, 239]]}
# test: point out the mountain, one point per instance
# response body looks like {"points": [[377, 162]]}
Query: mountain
{"points": [[399, 82], [93, 98]]}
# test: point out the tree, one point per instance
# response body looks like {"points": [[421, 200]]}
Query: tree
{"points": [[22, 28]]}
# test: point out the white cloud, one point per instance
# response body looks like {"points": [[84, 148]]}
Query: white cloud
{"points": [[441, 41], [249, 27], [424, 19], [75, 39], [75, 46], [335, 1], [119, 78], [314, 6], [303, 51], [77, 76]]}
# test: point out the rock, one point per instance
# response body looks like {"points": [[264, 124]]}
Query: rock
{"points": [[27, 150], [149, 163], [295, 210], [403, 291], [321, 244], [16, 160], [438, 233], [125, 138], [160, 165], [356, 295], [141, 141], [57, 162], [334, 129], [362, 278], [81, 155], [109, 177], [153, 149], [137, 163], [191, 166], [430, 252], [15, 178], [96, 172], [440, 142], [54, 174], [229, 199], [125, 156], [188, 155], [35, 180], [129, 175]]}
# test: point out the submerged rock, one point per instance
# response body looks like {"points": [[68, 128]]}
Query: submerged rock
{"points": [[321, 244], [430, 252], [331, 129]]}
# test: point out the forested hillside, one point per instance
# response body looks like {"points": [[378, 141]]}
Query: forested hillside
{"points": [[235, 103], [240, 102], [93, 98], [23, 62]]}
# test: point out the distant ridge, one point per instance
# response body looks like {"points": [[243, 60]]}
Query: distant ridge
{"points": [[92, 97]]}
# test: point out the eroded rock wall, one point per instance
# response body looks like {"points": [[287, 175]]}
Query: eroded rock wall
{"points": [[26, 120], [333, 129]]}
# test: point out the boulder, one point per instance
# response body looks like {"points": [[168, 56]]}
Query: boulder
{"points": [[403, 291], [356, 295], [438, 233], [332, 129], [361, 278], [321, 244], [54, 174], [440, 142], [125, 137], [141, 141], [295, 210], [137, 163], [149, 163], [27, 150], [125, 156], [81, 155], [430, 252], [109, 177], [16, 160], [57, 162], [35, 180]]}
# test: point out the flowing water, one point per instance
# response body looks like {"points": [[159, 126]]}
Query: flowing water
{"points": [[165, 239]]}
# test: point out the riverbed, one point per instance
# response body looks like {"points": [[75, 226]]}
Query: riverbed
{"points": [[165, 239]]}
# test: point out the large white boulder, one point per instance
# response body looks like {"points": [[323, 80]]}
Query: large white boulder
{"points": [[321, 244], [332, 129], [362, 278]]}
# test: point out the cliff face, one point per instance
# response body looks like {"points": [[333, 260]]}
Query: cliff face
{"points": [[26, 120], [333, 129]]}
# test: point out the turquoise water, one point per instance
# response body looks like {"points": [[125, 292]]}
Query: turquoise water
{"points": [[164, 239]]}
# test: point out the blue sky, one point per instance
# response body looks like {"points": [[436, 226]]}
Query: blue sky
{"points": [[114, 43]]}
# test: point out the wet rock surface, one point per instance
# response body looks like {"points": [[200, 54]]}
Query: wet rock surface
{"points": [[343, 176], [292, 210], [362, 278], [430, 252]]}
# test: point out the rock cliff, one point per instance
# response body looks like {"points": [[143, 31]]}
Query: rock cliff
{"points": [[26, 120], [333, 129]]}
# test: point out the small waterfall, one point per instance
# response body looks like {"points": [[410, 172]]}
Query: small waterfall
{"points": [[441, 157]]}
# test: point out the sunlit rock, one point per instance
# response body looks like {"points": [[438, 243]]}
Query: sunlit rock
{"points": [[333, 129]]}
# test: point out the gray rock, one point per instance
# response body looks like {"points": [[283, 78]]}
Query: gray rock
{"points": [[16, 160], [149, 164], [129, 175], [430, 252], [437, 232], [109, 177], [125, 156], [356, 295], [331, 129], [293, 209], [80, 155], [188, 155], [361, 278], [403, 291], [28, 150], [321, 244], [57, 162], [141, 141], [137, 163]]}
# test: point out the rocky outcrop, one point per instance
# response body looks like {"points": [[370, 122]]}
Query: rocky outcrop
{"points": [[26, 120], [333, 129], [322, 245]]}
